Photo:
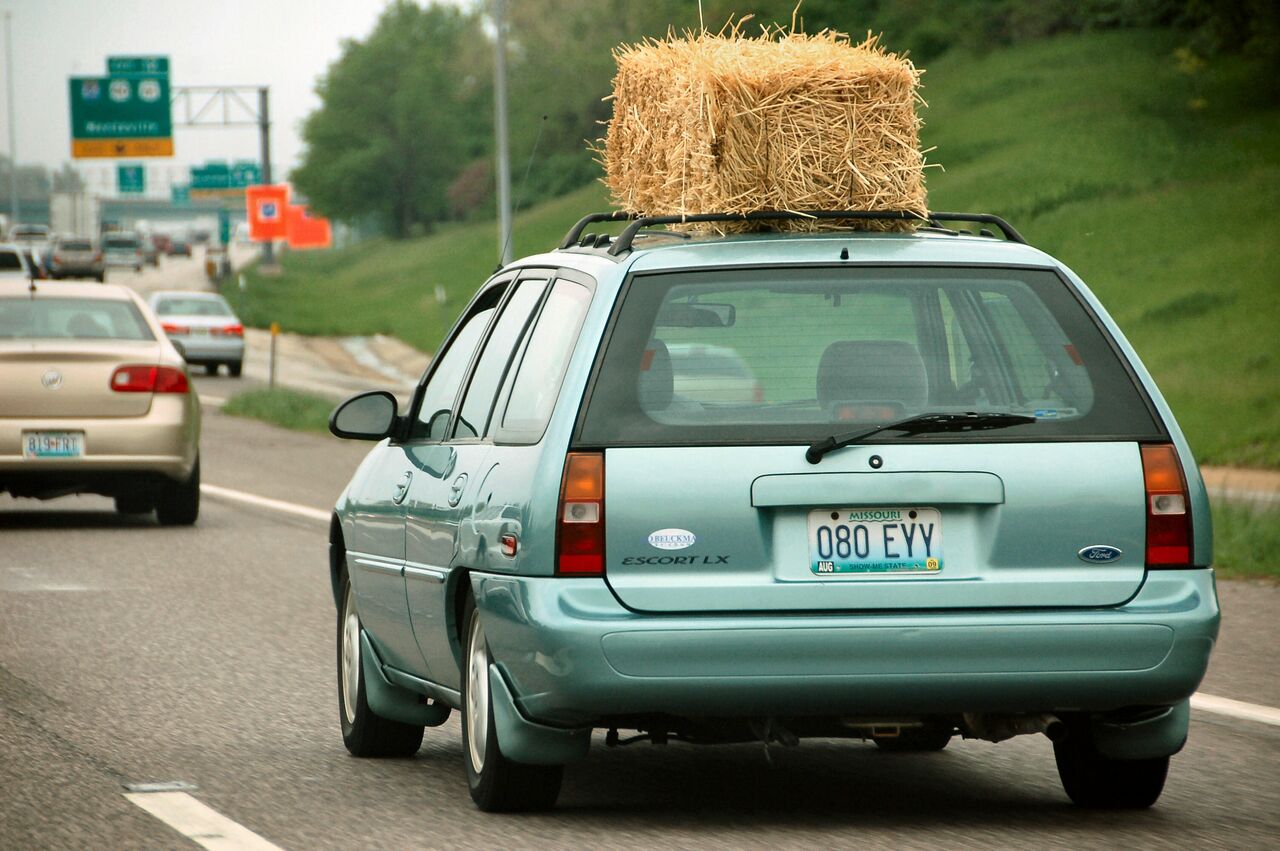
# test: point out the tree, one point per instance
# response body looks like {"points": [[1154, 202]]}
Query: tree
{"points": [[403, 112]]}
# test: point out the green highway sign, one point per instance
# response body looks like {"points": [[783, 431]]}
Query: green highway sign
{"points": [[131, 179], [216, 179], [180, 196], [124, 114], [138, 65]]}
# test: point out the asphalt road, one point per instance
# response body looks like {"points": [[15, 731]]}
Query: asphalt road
{"points": [[132, 653]]}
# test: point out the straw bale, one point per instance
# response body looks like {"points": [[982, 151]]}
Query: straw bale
{"points": [[720, 122]]}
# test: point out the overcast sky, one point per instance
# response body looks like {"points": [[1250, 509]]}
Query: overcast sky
{"points": [[284, 44]]}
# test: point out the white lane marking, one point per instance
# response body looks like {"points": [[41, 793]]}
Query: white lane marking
{"points": [[1235, 708], [212, 401], [199, 823], [1199, 700], [266, 502]]}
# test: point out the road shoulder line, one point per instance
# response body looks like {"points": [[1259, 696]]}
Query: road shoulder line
{"points": [[1235, 708], [265, 502], [200, 823]]}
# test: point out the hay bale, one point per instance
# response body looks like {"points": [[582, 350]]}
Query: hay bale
{"points": [[785, 121]]}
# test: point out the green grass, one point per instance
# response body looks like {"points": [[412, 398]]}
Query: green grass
{"points": [[285, 408], [1246, 539], [1157, 186]]}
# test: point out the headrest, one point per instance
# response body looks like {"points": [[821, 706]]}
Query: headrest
{"points": [[872, 371], [655, 385]]}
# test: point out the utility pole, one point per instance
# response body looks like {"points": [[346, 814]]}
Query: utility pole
{"points": [[264, 129], [500, 128], [13, 128]]}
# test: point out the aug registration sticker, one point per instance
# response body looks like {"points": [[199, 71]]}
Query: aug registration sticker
{"points": [[875, 540]]}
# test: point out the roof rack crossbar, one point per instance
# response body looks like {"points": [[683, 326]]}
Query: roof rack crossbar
{"points": [[639, 223], [575, 232]]}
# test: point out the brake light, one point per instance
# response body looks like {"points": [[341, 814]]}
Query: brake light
{"points": [[228, 331], [97, 257], [1168, 508], [580, 521], [149, 379], [172, 328]]}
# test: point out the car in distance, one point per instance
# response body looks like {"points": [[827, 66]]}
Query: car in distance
{"points": [[958, 505], [95, 399], [206, 327], [178, 247], [123, 248], [76, 257], [13, 262]]}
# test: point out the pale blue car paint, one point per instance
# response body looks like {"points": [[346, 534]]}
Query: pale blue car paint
{"points": [[569, 652]]}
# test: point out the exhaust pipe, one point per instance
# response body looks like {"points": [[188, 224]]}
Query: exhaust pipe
{"points": [[997, 728]]}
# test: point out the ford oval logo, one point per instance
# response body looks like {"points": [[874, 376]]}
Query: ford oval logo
{"points": [[1099, 553]]}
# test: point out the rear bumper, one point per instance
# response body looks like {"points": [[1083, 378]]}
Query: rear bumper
{"points": [[202, 349], [125, 451], [574, 655]]}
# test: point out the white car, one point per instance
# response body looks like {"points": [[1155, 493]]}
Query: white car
{"points": [[13, 263], [205, 327]]}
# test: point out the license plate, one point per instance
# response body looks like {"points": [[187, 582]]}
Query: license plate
{"points": [[52, 444], [875, 540]]}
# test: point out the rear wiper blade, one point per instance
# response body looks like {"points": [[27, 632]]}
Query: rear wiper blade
{"points": [[919, 424]]}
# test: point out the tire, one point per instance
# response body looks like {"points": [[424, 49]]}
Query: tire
{"points": [[931, 737], [234, 368], [100, 277], [364, 733], [178, 503], [134, 504], [498, 785], [211, 369], [1094, 781]]}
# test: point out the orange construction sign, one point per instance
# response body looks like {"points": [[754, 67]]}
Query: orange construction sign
{"points": [[267, 208], [305, 231]]}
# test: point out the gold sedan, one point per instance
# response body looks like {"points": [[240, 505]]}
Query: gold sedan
{"points": [[94, 398]]}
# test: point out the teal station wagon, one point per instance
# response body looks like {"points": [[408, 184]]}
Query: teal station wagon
{"points": [[887, 486]]}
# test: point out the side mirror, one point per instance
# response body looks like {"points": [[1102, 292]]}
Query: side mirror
{"points": [[366, 416]]}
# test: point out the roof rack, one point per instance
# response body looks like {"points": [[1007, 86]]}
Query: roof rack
{"points": [[638, 223]]}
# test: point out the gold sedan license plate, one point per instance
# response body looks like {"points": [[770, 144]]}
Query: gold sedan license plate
{"points": [[875, 540], [52, 444]]}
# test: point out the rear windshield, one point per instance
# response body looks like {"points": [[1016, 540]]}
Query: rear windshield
{"points": [[119, 242], [75, 245], [800, 354], [192, 307], [71, 318]]}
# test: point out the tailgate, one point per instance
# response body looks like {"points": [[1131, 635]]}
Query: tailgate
{"points": [[71, 379], [740, 529]]}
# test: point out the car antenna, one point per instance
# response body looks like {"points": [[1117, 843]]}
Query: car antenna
{"points": [[524, 184]]}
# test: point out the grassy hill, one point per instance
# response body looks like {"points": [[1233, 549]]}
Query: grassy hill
{"points": [[1154, 177]]}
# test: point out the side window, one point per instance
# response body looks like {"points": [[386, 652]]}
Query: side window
{"points": [[537, 379], [473, 417], [442, 387]]}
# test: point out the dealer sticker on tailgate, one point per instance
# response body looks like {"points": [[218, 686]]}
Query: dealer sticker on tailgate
{"points": [[875, 540]]}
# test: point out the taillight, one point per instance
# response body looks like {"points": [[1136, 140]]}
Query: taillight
{"points": [[149, 379], [97, 257], [172, 328], [1168, 508], [228, 331], [580, 523]]}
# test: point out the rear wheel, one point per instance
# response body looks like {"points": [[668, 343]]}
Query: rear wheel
{"points": [[1092, 780], [497, 783], [234, 368], [931, 737], [178, 503], [100, 277], [364, 733]]}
